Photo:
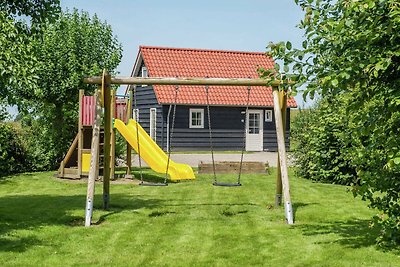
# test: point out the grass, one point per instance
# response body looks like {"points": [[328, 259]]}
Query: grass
{"points": [[184, 224]]}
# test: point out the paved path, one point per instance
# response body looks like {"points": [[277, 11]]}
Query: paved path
{"points": [[194, 159]]}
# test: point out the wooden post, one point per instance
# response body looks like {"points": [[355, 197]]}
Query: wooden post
{"points": [[61, 169], [106, 88], [282, 157], [71, 149], [80, 133], [283, 105], [128, 146], [112, 130], [68, 156], [94, 160]]}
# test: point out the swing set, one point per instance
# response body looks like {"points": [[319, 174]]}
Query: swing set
{"points": [[103, 103], [169, 149]]}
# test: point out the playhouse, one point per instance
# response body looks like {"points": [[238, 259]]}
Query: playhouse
{"points": [[76, 163]]}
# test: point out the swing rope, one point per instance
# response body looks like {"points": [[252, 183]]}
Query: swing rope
{"points": [[216, 183], [244, 133], [171, 134], [137, 134], [142, 182], [210, 134]]}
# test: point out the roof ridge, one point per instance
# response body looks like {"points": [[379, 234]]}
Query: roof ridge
{"points": [[200, 50]]}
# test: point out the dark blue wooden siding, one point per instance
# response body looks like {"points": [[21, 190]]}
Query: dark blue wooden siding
{"points": [[227, 129], [145, 100], [227, 125]]}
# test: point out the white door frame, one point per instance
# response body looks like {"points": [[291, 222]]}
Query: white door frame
{"points": [[255, 133], [153, 124]]}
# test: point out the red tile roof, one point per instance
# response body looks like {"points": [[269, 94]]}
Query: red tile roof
{"points": [[185, 62]]}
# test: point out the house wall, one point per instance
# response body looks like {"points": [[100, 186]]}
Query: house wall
{"points": [[145, 100], [227, 125], [270, 141]]}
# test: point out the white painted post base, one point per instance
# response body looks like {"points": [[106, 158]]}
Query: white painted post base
{"points": [[89, 212], [289, 213]]}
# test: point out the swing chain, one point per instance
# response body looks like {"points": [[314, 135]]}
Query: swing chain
{"points": [[137, 133], [244, 135], [171, 132], [210, 133]]}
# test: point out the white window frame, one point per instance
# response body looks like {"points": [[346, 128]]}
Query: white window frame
{"points": [[191, 112], [135, 114], [144, 74], [153, 124], [268, 116]]}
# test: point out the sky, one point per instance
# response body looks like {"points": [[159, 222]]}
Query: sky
{"points": [[240, 25]]}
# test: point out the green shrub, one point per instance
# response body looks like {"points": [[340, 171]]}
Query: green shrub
{"points": [[360, 148], [375, 135], [120, 146], [44, 148], [322, 152], [12, 150]]}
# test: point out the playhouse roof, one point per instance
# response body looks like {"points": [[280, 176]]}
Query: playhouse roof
{"points": [[188, 62]]}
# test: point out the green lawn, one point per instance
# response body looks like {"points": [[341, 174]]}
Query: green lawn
{"points": [[184, 224]]}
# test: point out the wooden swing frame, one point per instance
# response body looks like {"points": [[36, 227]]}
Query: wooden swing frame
{"points": [[103, 99]]}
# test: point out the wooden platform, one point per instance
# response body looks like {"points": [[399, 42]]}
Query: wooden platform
{"points": [[233, 167]]}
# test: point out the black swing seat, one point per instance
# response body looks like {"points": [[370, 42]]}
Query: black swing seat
{"points": [[152, 184], [226, 184]]}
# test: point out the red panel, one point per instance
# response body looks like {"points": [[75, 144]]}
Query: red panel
{"points": [[120, 109], [88, 109]]}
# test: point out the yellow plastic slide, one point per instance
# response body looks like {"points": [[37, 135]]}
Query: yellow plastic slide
{"points": [[152, 153]]}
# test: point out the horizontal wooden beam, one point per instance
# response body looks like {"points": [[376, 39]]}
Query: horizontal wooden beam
{"points": [[187, 81]]}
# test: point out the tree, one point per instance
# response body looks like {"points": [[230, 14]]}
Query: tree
{"points": [[352, 49], [74, 46], [36, 11], [17, 60]]}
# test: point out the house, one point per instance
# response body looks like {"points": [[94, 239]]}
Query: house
{"points": [[154, 104]]}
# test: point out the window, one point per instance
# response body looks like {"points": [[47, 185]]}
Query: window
{"points": [[145, 74], [135, 114], [196, 118], [254, 123], [153, 123], [268, 115]]}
